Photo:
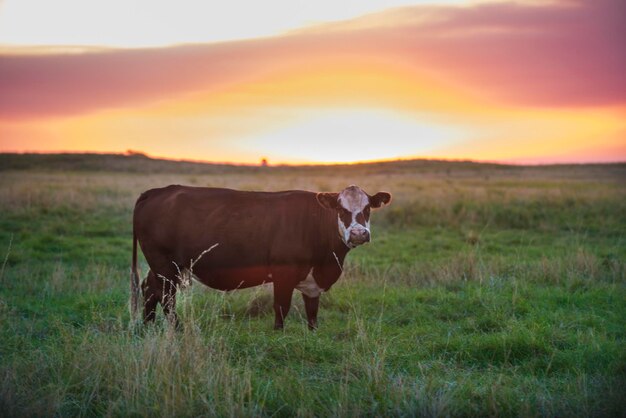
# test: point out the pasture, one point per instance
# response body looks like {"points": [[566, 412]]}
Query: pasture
{"points": [[487, 290]]}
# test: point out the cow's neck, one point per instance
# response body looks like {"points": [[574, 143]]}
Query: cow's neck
{"points": [[330, 266], [332, 239], [340, 249], [332, 253]]}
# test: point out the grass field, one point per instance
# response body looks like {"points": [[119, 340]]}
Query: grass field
{"points": [[487, 291]]}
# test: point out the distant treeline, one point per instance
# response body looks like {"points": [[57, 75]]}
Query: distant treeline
{"points": [[135, 162]]}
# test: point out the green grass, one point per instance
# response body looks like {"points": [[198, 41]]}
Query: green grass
{"points": [[487, 290]]}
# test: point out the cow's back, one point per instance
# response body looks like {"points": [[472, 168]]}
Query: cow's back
{"points": [[254, 231]]}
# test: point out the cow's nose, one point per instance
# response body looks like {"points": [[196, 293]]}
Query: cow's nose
{"points": [[359, 236]]}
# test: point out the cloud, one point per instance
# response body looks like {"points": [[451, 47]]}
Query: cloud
{"points": [[560, 54], [568, 53], [60, 84]]}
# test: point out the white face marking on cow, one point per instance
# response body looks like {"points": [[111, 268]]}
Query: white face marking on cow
{"points": [[354, 200], [309, 287]]}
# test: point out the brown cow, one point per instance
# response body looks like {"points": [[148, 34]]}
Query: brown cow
{"points": [[232, 239]]}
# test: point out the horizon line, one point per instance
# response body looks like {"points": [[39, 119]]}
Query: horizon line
{"points": [[131, 153]]}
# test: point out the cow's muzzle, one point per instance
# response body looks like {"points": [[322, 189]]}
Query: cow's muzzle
{"points": [[359, 236]]}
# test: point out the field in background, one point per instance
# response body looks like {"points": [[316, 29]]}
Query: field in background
{"points": [[487, 290]]}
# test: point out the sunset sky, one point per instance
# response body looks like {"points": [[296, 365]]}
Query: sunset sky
{"points": [[316, 81]]}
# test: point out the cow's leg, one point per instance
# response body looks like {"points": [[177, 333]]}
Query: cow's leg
{"points": [[282, 303], [159, 288], [169, 302], [311, 306], [152, 289]]}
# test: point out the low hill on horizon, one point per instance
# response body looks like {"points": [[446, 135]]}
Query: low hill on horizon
{"points": [[141, 163]]}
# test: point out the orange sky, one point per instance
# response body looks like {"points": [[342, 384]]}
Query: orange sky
{"points": [[529, 82]]}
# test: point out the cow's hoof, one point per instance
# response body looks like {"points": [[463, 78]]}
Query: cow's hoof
{"points": [[278, 327]]}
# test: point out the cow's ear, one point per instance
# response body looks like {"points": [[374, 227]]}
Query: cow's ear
{"points": [[328, 200], [380, 199]]}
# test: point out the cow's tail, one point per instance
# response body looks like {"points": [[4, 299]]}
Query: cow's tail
{"points": [[134, 281]]}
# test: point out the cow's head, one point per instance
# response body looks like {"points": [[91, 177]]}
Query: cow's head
{"points": [[353, 207]]}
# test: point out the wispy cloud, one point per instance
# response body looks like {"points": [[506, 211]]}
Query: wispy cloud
{"points": [[567, 53]]}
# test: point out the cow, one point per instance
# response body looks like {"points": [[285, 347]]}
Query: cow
{"points": [[229, 239]]}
